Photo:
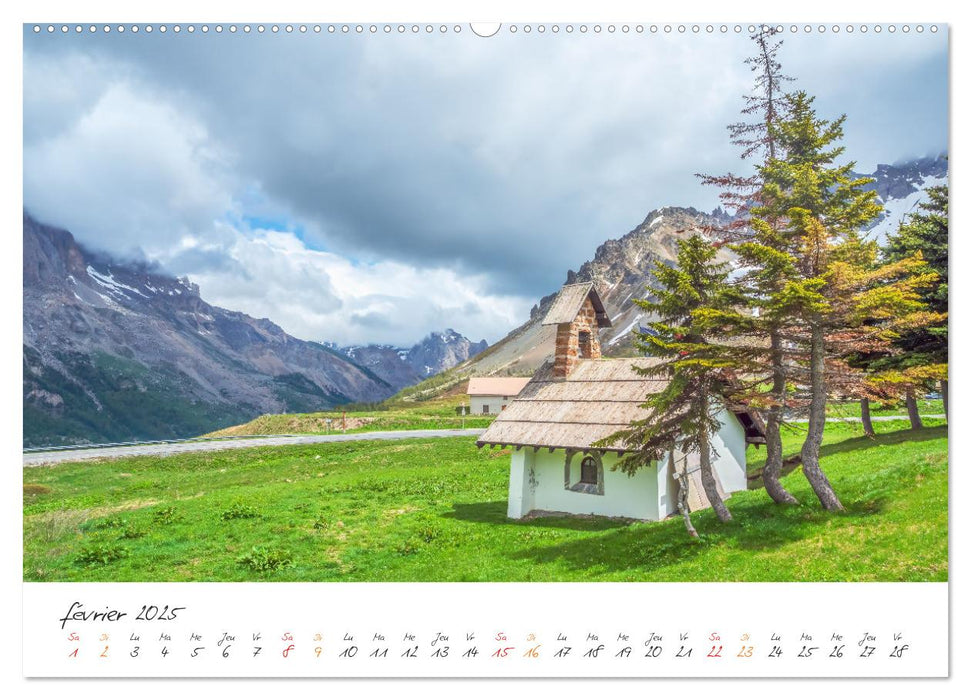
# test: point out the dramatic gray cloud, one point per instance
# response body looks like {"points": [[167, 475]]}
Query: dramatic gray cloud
{"points": [[376, 187]]}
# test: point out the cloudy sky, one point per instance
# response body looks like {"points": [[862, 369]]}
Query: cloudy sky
{"points": [[372, 188]]}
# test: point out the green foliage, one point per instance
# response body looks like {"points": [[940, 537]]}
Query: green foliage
{"points": [[100, 553], [926, 232], [165, 516], [693, 302], [111, 523], [819, 286], [922, 348], [239, 511], [808, 206], [435, 510], [131, 532], [263, 560]]}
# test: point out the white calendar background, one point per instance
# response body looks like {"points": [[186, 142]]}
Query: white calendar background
{"points": [[911, 615], [486, 630]]}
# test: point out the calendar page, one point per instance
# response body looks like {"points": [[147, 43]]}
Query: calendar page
{"points": [[613, 348]]}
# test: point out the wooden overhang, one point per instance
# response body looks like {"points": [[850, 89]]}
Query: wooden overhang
{"points": [[570, 300], [600, 397]]}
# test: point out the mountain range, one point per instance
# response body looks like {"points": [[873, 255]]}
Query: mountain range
{"points": [[402, 367], [121, 351], [900, 189], [622, 268]]}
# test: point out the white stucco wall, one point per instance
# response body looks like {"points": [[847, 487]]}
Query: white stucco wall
{"points": [[667, 490], [729, 444], [521, 488], [537, 482], [477, 404]]}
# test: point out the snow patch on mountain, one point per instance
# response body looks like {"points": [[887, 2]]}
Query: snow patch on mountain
{"points": [[623, 333], [108, 281], [896, 211], [401, 367]]}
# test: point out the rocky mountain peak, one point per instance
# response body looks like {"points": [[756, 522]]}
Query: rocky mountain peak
{"points": [[902, 179], [120, 351], [622, 268], [401, 367]]}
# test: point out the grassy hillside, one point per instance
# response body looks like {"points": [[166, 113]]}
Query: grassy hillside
{"points": [[434, 510], [135, 403], [440, 413]]}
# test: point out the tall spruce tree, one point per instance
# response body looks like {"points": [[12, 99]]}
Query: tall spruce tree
{"points": [[883, 302], [922, 353], [859, 365], [756, 137], [694, 303], [841, 301]]}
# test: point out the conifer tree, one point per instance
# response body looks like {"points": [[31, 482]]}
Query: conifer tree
{"points": [[753, 242], [922, 353], [694, 303], [842, 303]]}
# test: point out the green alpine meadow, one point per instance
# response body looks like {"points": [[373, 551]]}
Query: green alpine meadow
{"points": [[435, 510]]}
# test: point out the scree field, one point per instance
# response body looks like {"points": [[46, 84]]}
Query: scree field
{"points": [[434, 510]]}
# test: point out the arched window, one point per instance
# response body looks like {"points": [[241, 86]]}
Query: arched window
{"points": [[584, 349], [588, 470], [591, 473]]}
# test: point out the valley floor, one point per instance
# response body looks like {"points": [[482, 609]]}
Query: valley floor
{"points": [[434, 510]]}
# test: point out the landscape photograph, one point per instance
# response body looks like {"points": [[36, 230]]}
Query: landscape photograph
{"points": [[445, 303]]}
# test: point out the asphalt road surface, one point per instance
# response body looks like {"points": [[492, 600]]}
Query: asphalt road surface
{"points": [[37, 459]]}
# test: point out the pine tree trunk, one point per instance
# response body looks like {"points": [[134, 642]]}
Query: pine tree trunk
{"points": [[686, 516], [912, 411], [773, 439], [944, 396], [683, 498], [707, 476], [817, 422], [682, 480], [865, 417]]}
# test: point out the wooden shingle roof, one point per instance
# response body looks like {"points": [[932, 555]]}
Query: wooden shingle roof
{"points": [[598, 398], [568, 302], [496, 386]]}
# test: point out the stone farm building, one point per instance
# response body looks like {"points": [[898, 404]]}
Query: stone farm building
{"points": [[492, 394], [580, 398]]}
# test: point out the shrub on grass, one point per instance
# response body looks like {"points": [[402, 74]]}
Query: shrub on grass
{"points": [[264, 559], [410, 546], [103, 524], [165, 515], [427, 534], [100, 553], [239, 510], [36, 490], [131, 532]]}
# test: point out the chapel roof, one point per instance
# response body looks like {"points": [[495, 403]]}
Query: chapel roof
{"points": [[570, 300], [599, 397]]}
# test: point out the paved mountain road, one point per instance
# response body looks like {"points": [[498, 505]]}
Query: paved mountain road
{"points": [[50, 457], [37, 459]]}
